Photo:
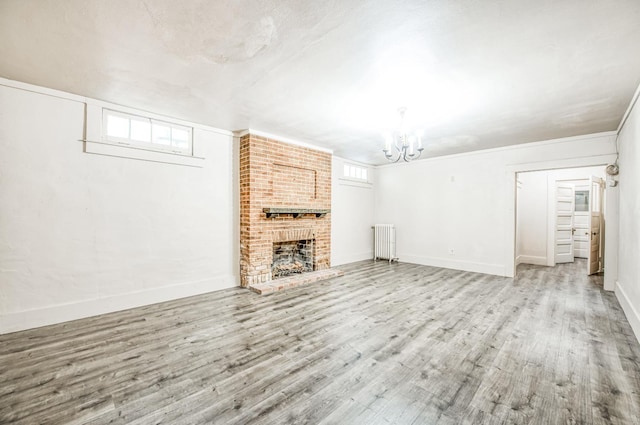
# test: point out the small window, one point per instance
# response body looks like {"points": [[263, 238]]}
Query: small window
{"points": [[582, 200], [355, 172], [146, 133]]}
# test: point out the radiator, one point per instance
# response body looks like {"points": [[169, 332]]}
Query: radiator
{"points": [[384, 242]]}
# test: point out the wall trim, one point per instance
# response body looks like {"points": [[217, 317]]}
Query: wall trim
{"points": [[278, 138], [536, 260], [632, 103], [351, 161], [508, 148], [42, 90], [629, 310], [469, 266], [101, 103], [23, 320]]}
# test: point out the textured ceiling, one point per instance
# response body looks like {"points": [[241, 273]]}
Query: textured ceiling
{"points": [[474, 74]]}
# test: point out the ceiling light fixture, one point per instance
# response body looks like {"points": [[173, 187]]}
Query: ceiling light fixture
{"points": [[408, 146]]}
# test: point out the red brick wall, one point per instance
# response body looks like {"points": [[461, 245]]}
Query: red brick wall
{"points": [[277, 174]]}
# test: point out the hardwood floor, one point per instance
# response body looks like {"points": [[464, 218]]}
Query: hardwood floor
{"points": [[383, 344]]}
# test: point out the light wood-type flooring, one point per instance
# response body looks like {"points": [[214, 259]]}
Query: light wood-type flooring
{"points": [[383, 344]]}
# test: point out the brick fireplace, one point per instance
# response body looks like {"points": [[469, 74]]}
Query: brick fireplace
{"points": [[285, 197]]}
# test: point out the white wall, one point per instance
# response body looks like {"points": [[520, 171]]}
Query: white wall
{"points": [[352, 215], [628, 286], [518, 220], [466, 203], [84, 234], [532, 218]]}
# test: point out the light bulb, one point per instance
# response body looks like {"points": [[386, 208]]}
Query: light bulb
{"points": [[387, 143]]}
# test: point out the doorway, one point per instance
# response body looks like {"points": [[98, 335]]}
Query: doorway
{"points": [[560, 217]]}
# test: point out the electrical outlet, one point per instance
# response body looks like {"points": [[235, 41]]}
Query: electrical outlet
{"points": [[452, 251]]}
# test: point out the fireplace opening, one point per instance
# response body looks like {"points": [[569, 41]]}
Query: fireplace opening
{"points": [[292, 257]]}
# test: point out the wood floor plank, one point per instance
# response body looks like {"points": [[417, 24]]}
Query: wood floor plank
{"points": [[383, 344]]}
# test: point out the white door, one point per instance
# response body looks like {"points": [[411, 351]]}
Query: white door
{"points": [[595, 208], [581, 219], [565, 199]]}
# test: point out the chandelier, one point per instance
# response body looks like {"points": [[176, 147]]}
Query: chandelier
{"points": [[407, 146]]}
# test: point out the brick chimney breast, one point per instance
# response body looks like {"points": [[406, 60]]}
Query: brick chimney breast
{"points": [[278, 174]]}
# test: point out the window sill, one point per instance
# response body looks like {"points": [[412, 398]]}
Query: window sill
{"points": [[353, 182], [140, 154]]}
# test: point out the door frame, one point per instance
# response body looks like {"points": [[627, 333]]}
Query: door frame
{"points": [[593, 183], [511, 172]]}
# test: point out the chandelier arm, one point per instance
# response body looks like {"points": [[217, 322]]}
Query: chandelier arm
{"points": [[390, 157], [393, 161], [406, 156], [416, 156], [412, 157]]}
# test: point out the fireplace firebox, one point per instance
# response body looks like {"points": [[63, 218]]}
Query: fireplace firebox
{"points": [[292, 257]]}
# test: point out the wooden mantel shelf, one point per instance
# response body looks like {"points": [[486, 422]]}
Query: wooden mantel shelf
{"points": [[296, 212]]}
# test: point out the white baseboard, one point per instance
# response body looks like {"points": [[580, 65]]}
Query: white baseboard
{"points": [[532, 259], [629, 310], [352, 258], [469, 266], [610, 281], [50, 315]]}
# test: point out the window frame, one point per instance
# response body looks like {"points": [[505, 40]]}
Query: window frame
{"points": [[128, 141], [357, 169]]}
